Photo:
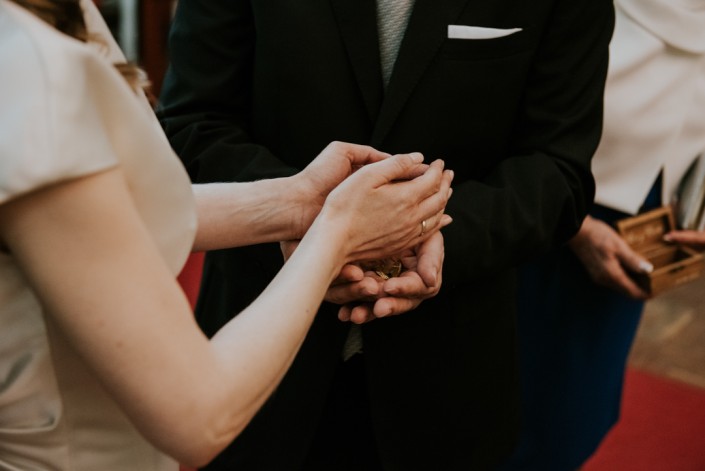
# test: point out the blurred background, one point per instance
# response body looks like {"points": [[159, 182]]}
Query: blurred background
{"points": [[141, 27]]}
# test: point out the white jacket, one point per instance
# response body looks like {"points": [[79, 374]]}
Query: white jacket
{"points": [[654, 100]]}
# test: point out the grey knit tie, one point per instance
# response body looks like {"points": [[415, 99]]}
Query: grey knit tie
{"points": [[392, 18]]}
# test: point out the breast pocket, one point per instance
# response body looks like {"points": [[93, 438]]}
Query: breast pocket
{"points": [[482, 49]]}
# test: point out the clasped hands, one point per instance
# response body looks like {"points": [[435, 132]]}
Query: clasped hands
{"points": [[363, 294]]}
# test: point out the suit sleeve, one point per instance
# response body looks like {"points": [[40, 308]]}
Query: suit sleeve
{"points": [[205, 104], [536, 199]]}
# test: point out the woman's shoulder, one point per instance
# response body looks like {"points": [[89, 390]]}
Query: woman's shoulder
{"points": [[47, 81], [33, 45]]}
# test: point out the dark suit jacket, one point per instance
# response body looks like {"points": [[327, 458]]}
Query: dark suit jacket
{"points": [[257, 88]]}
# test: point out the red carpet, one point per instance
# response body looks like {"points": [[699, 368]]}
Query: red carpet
{"points": [[662, 428]]}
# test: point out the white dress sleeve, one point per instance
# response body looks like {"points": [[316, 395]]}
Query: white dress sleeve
{"points": [[66, 112], [51, 130]]}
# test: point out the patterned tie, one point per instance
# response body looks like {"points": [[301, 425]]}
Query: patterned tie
{"points": [[392, 18]]}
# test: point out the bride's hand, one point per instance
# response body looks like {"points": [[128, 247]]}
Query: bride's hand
{"points": [[387, 207], [334, 164]]}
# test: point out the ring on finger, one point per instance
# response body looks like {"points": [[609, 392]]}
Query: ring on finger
{"points": [[424, 227]]}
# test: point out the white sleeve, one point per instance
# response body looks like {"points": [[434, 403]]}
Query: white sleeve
{"points": [[51, 128]]}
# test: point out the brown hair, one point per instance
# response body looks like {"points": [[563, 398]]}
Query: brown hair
{"points": [[67, 17]]}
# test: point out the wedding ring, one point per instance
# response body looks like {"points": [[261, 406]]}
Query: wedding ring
{"points": [[423, 227]]}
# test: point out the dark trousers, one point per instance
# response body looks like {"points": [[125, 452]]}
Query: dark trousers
{"points": [[345, 440]]}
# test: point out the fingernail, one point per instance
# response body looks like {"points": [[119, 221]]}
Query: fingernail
{"points": [[384, 312], [645, 267], [417, 157], [452, 174], [450, 192], [668, 238]]}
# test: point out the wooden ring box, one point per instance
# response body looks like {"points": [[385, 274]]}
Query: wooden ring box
{"points": [[674, 264]]}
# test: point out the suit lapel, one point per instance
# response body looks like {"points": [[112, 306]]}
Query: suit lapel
{"points": [[424, 36], [358, 28]]}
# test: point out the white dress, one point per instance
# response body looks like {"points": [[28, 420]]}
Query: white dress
{"points": [[65, 112]]}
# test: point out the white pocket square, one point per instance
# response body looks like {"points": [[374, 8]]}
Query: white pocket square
{"points": [[478, 32]]}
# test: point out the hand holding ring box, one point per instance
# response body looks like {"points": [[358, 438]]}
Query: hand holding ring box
{"points": [[674, 264]]}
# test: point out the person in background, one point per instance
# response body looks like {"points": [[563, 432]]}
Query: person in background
{"points": [[102, 366], [508, 93], [580, 306]]}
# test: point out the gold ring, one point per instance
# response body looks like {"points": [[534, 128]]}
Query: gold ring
{"points": [[424, 225]]}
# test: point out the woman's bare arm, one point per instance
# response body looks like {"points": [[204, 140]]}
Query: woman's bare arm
{"points": [[94, 266], [277, 209]]}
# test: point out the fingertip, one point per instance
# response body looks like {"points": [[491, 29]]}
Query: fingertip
{"points": [[416, 157], [419, 170], [439, 164], [359, 314], [352, 273], [382, 309], [645, 267], [344, 314]]}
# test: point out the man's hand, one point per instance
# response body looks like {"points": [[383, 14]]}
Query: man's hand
{"points": [[608, 259], [352, 284], [420, 280], [365, 296]]}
